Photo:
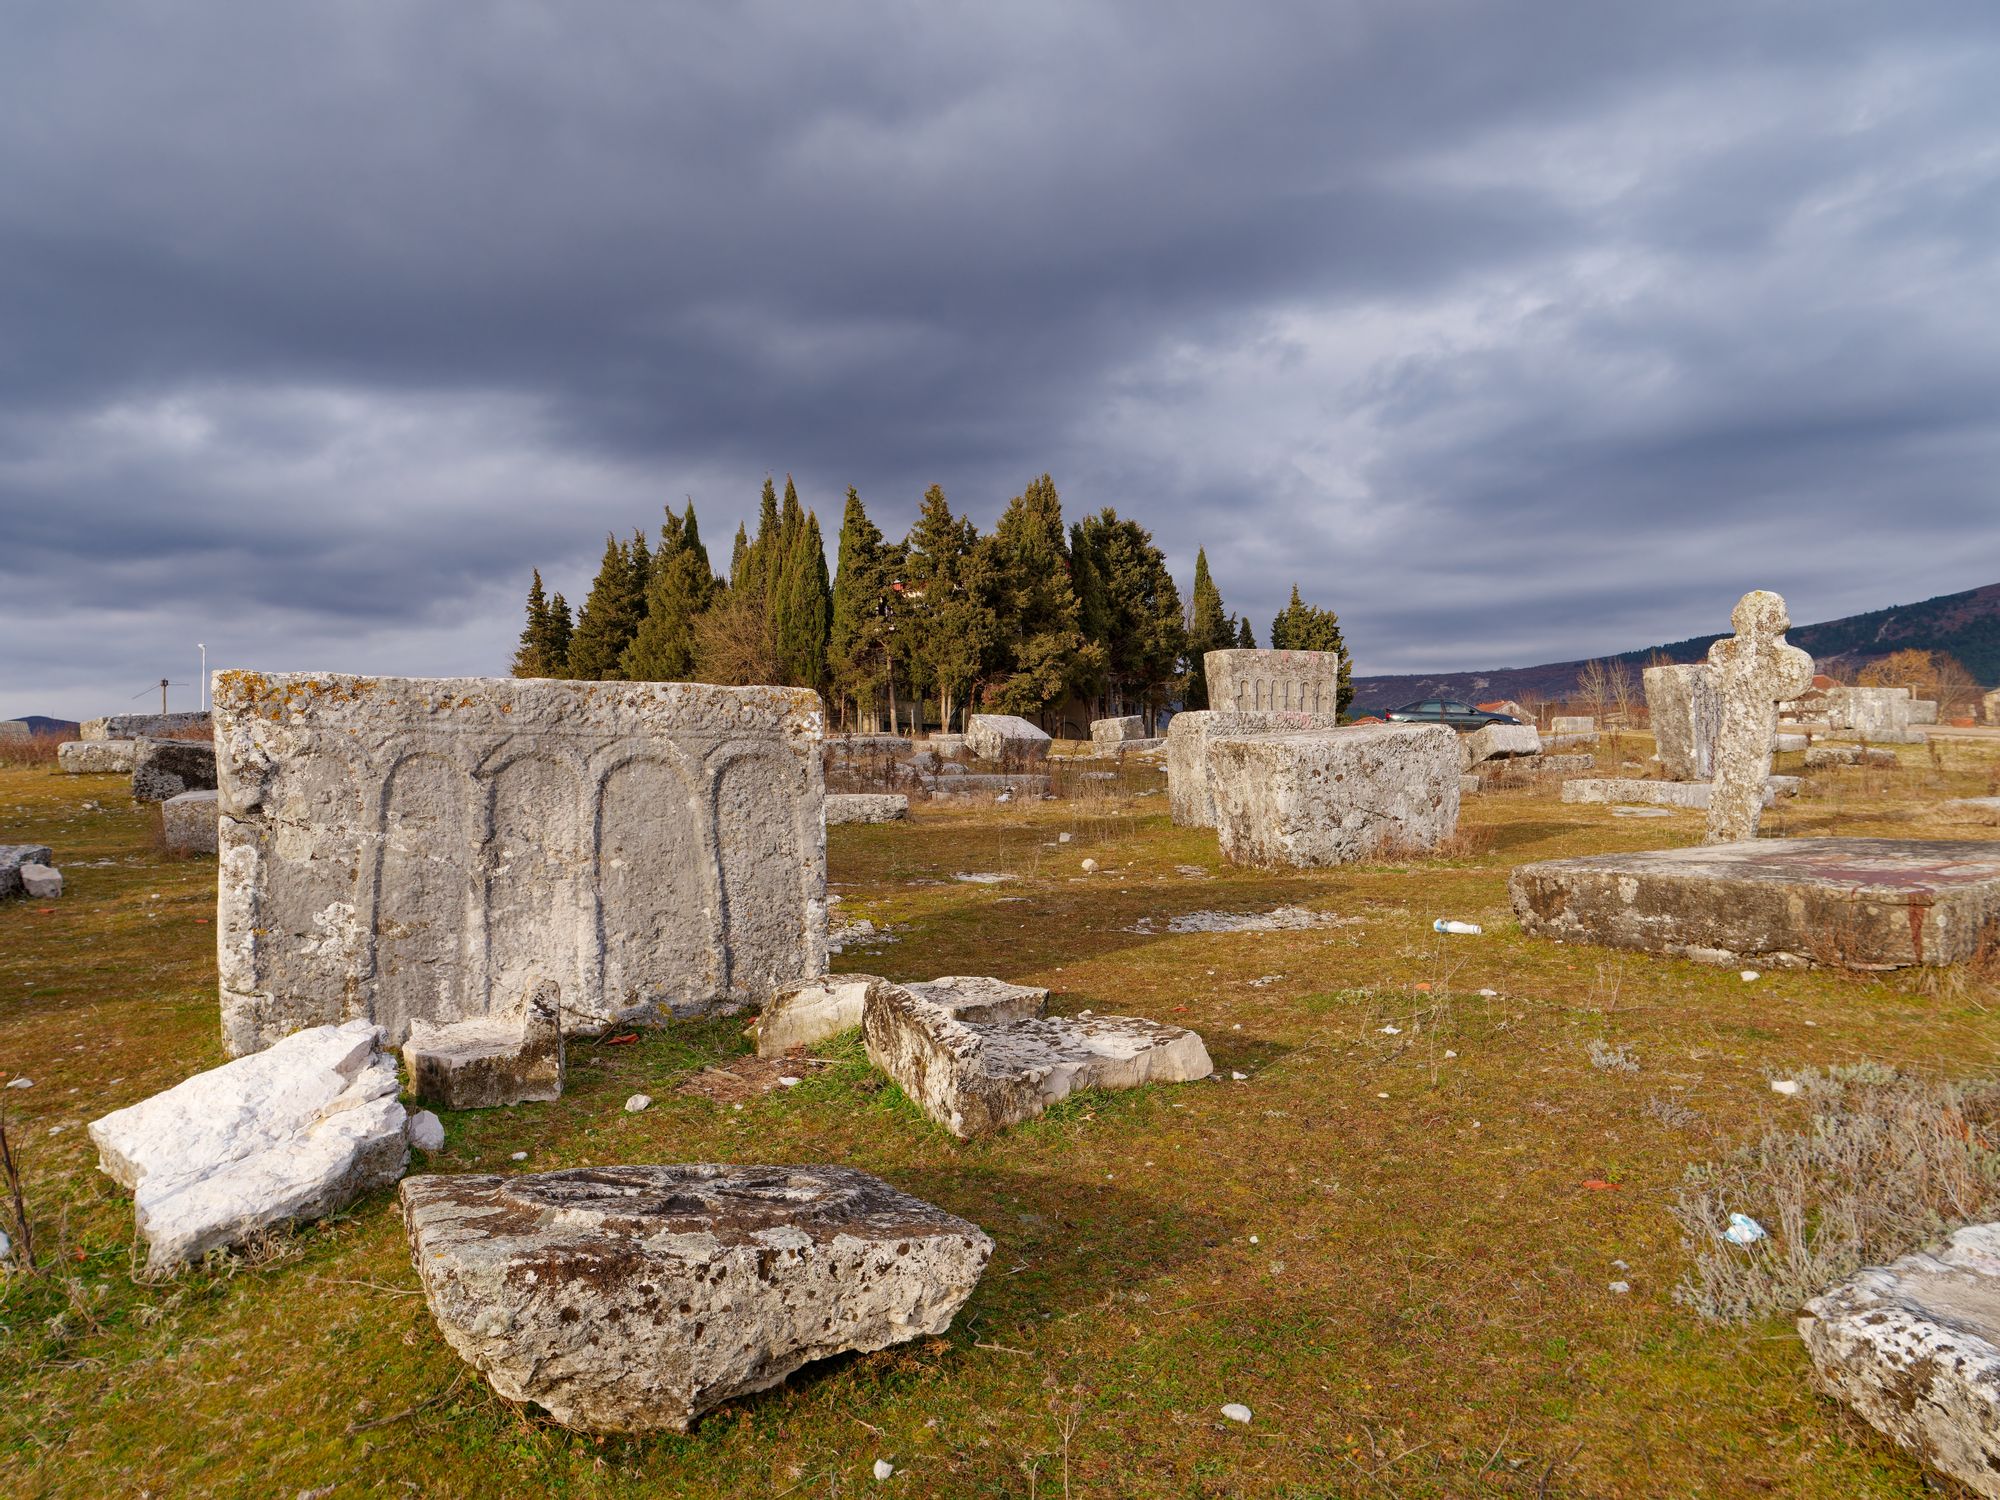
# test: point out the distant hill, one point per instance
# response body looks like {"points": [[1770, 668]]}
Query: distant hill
{"points": [[42, 724], [1965, 625]]}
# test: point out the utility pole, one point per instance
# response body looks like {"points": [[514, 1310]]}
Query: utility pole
{"points": [[163, 695], [203, 698]]}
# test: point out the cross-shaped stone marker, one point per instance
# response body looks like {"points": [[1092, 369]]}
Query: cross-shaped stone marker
{"points": [[1752, 673]]}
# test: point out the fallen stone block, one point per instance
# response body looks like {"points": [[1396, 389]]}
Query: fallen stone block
{"points": [[947, 746], [811, 1011], [1914, 1347], [1007, 738], [189, 820], [96, 757], [12, 858], [866, 807], [1334, 797], [974, 1079], [981, 1000], [1836, 902], [1787, 743], [1629, 789], [1494, 741], [1105, 733], [144, 726], [294, 1132], [1251, 681], [485, 1062], [1190, 793], [635, 1298], [166, 768], [436, 848], [1784, 786], [40, 882], [1830, 757]]}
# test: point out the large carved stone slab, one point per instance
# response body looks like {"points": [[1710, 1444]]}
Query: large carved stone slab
{"points": [[1880, 715], [974, 1078], [1852, 903], [398, 848], [1681, 703], [1105, 733], [1190, 795], [1007, 738], [631, 1299], [1334, 797], [143, 726], [189, 821], [1914, 1347], [1296, 682], [1499, 742]]}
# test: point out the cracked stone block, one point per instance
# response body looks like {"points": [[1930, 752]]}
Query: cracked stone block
{"points": [[96, 757], [1836, 902], [294, 1132], [1914, 1347], [866, 807], [635, 1298], [189, 820], [974, 1079], [1190, 790], [488, 1061], [1335, 797]]}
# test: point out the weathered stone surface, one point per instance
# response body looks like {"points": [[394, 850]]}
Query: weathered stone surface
{"points": [[947, 746], [1105, 732], [1852, 903], [398, 848], [189, 820], [1880, 715], [866, 807], [1190, 794], [1580, 726], [1335, 796], [487, 1061], [1301, 682], [811, 1010], [875, 762], [294, 1132], [1685, 714], [1470, 783], [1791, 743], [1561, 765], [1693, 794], [1753, 671], [982, 1000], [15, 729], [1782, 786], [166, 768], [1989, 705], [96, 757], [1005, 737], [635, 1298], [13, 857], [143, 726], [40, 882], [1923, 711], [975, 1078], [1499, 741], [1827, 757], [1914, 1347]]}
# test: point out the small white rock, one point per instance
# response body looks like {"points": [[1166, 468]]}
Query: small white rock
{"points": [[1489, 994], [1089, 866], [1449, 1053], [1784, 1086], [1749, 974], [1062, 838], [1620, 1288], [883, 1468], [638, 1102], [1392, 1031], [518, 1156], [1236, 1411], [1239, 1077], [426, 1132], [789, 1082], [6, 1245]]}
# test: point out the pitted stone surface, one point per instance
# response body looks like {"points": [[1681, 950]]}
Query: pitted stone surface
{"points": [[1691, 794], [991, 784], [866, 807], [1753, 672], [1499, 741], [166, 768], [808, 1012], [1851, 903], [974, 1078], [1914, 1347], [399, 848], [294, 1132], [488, 1061], [189, 820], [1685, 714], [635, 1298], [143, 726], [1107, 732], [1297, 682], [982, 1000], [1190, 794], [1880, 715], [1923, 711], [12, 857], [96, 757], [1334, 797], [1005, 737]]}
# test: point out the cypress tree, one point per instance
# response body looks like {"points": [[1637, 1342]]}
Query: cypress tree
{"points": [[803, 612], [610, 615], [1246, 639], [951, 631], [858, 638], [1302, 627], [1094, 612], [736, 556], [1209, 629], [556, 655], [681, 585], [530, 659]]}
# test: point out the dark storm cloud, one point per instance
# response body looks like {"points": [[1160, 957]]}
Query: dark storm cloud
{"points": [[1512, 332]]}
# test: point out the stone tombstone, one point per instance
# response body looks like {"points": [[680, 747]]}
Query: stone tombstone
{"points": [[1111, 732], [15, 729], [1299, 682], [1190, 790], [96, 757], [143, 726], [1681, 702], [1752, 672], [396, 848]]}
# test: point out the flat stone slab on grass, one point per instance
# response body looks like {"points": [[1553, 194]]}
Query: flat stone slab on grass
{"points": [[866, 807], [1849, 903], [293, 1132], [1335, 796], [1827, 757], [485, 1062], [189, 820], [816, 1009], [635, 1298], [1914, 1347], [12, 858], [96, 757], [975, 1079]]}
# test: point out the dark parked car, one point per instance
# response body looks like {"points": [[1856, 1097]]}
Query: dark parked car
{"points": [[1444, 711]]}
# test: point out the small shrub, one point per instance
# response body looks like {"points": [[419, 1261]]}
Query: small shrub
{"points": [[1617, 1059], [1884, 1164], [29, 749]]}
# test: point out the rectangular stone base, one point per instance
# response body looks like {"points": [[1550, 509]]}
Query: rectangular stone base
{"points": [[1850, 903]]}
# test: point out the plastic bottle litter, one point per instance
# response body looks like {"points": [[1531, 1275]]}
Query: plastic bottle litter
{"points": [[1236, 1411], [1463, 929], [1743, 1230]]}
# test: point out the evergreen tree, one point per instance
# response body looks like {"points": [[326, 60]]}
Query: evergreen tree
{"points": [[735, 642], [1302, 627], [561, 629], [1209, 629], [802, 612], [680, 586], [736, 555], [1094, 612], [858, 646], [945, 629], [1044, 653], [533, 658], [611, 612], [1246, 639], [1144, 637]]}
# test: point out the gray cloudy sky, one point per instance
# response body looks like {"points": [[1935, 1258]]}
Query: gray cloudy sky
{"points": [[1513, 332]]}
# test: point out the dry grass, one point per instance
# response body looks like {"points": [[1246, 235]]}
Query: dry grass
{"points": [[29, 749]]}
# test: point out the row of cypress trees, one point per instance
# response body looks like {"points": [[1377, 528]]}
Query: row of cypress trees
{"points": [[1015, 622]]}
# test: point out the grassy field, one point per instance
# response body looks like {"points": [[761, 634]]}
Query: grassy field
{"points": [[1396, 1248]]}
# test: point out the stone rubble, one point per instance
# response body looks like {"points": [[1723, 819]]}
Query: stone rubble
{"points": [[485, 1062], [635, 1298]]}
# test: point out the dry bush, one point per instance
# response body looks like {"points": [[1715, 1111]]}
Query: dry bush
{"points": [[29, 749], [1884, 1164]]}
